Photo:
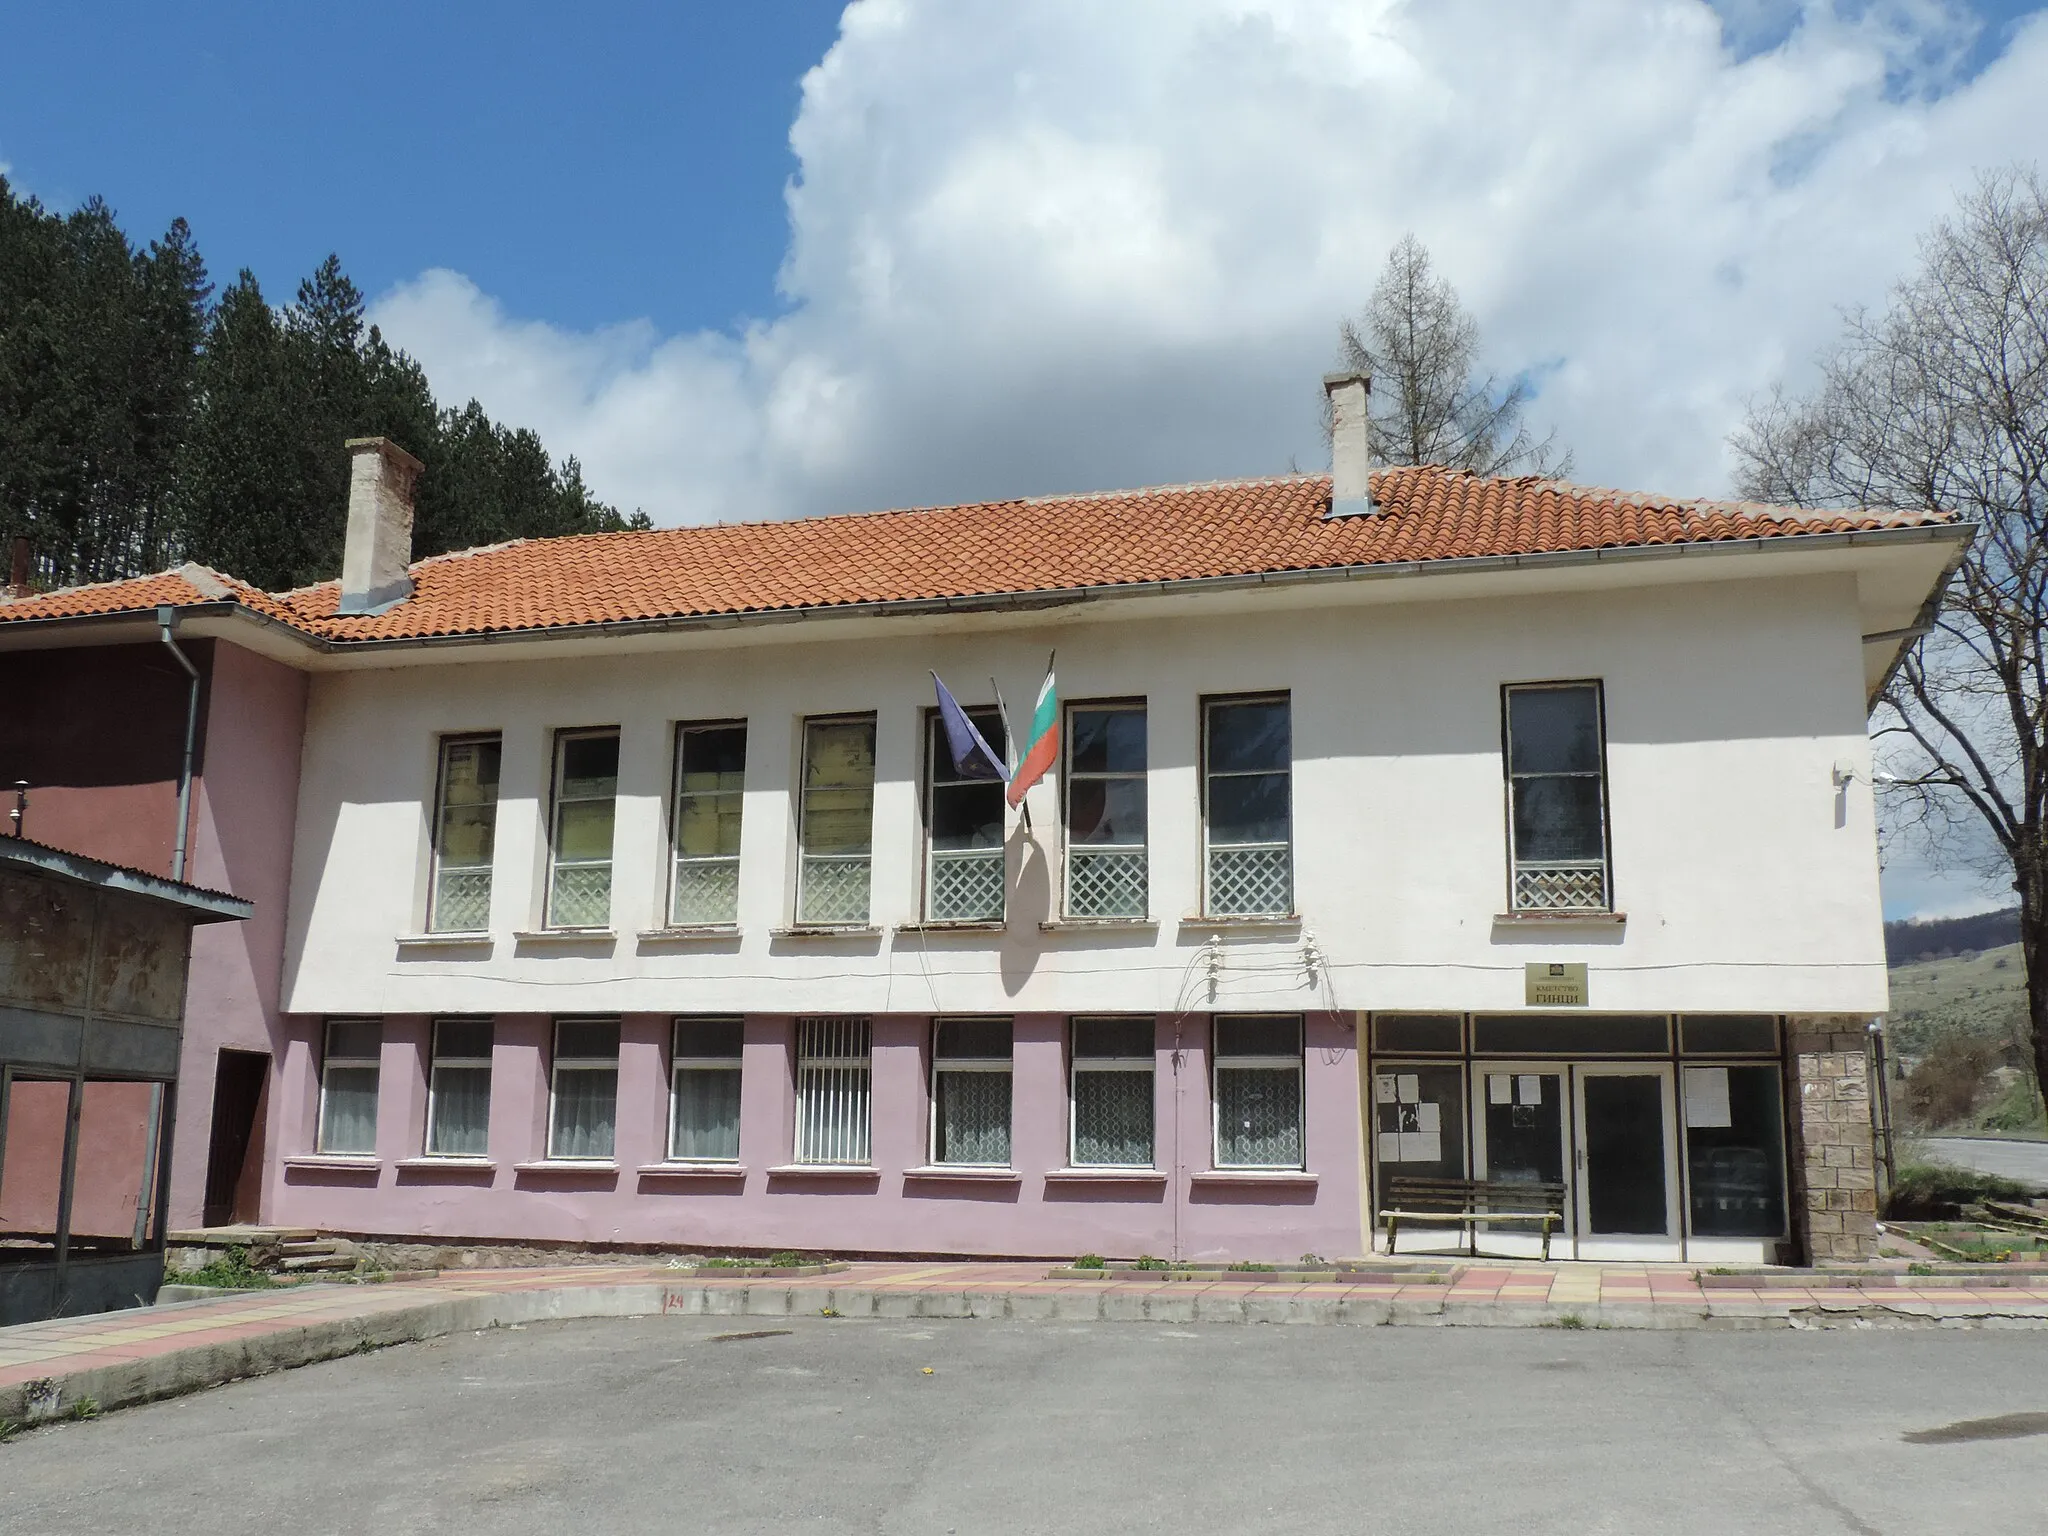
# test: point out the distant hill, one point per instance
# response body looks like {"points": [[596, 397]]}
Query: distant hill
{"points": [[1906, 942]]}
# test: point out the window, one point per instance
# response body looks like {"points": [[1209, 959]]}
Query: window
{"points": [[1112, 1093], [1258, 1091], [971, 1092], [32, 1171], [1735, 1151], [584, 1101], [1247, 754], [586, 794], [465, 828], [963, 828], [832, 1106], [348, 1086], [1105, 787], [835, 826], [704, 1096], [1557, 801], [711, 767], [459, 1089]]}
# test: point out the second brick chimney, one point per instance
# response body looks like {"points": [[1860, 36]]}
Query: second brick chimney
{"points": [[375, 559]]}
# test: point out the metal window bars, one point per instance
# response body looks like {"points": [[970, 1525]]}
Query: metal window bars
{"points": [[1580, 886], [833, 1103]]}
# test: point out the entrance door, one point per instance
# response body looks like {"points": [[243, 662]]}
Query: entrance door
{"points": [[238, 1081], [1627, 1159], [1518, 1116]]}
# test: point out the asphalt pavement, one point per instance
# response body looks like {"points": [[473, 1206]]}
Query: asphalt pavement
{"points": [[758, 1425], [2024, 1160]]}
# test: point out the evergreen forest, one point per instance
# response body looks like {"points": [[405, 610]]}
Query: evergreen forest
{"points": [[147, 420]]}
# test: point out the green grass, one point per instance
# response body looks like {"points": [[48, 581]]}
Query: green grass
{"points": [[230, 1272], [1090, 1261], [1934, 1191], [1949, 1007]]}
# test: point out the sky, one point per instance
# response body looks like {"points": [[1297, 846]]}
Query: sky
{"points": [[788, 258]]}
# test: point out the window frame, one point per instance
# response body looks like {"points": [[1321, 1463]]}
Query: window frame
{"points": [[803, 786], [863, 1064], [1598, 687], [1070, 777], [1209, 703], [1298, 1063], [1006, 1065], [348, 1063], [436, 1061], [556, 802], [679, 1064], [1147, 1064], [676, 857], [928, 787], [437, 860], [557, 1066]]}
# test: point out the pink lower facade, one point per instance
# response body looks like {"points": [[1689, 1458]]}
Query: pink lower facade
{"points": [[1040, 1207]]}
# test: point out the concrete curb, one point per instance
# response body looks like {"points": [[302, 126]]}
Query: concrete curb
{"points": [[414, 1317]]}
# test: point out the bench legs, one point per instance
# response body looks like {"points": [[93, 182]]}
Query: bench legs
{"points": [[1392, 1221]]}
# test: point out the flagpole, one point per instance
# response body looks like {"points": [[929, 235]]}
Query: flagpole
{"points": [[1010, 747]]}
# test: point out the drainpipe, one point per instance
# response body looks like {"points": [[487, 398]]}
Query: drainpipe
{"points": [[166, 621]]}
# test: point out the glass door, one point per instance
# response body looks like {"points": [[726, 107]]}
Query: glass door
{"points": [[1518, 1122], [1626, 1154]]}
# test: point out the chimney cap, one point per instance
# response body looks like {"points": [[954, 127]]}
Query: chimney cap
{"points": [[1335, 381], [385, 446]]}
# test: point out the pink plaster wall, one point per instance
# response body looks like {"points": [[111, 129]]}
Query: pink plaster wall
{"points": [[887, 1214], [245, 804]]}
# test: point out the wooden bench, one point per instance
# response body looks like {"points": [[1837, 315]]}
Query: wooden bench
{"points": [[1472, 1203]]}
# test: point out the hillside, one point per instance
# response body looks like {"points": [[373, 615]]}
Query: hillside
{"points": [[1922, 939], [1957, 1030]]}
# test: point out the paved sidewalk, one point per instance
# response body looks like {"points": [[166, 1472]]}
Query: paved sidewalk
{"points": [[115, 1358]]}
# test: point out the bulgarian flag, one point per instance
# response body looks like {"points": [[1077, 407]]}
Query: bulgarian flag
{"points": [[1042, 747]]}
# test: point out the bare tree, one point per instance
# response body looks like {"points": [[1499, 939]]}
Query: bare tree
{"points": [[1428, 405], [1941, 400]]}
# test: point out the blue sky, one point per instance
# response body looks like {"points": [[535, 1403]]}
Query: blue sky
{"points": [[771, 259]]}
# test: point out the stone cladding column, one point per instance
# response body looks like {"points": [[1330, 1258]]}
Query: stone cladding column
{"points": [[1833, 1149]]}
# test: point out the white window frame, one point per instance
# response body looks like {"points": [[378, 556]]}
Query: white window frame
{"points": [[557, 1066], [934, 746], [1604, 865], [679, 1064], [438, 863], [437, 1062], [1148, 1065], [1210, 774], [1006, 1065], [558, 800], [834, 1113], [328, 1061], [677, 858], [1072, 776], [804, 857], [1219, 1064]]}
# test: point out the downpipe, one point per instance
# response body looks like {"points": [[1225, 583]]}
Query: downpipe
{"points": [[167, 621]]}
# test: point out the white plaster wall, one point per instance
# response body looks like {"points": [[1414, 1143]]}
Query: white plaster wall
{"points": [[1749, 883]]}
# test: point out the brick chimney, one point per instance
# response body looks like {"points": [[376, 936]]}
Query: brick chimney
{"points": [[1350, 444], [379, 548]]}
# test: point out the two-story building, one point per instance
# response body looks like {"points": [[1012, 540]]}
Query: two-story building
{"points": [[1401, 821]]}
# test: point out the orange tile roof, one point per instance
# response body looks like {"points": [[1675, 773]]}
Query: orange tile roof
{"points": [[1045, 544]]}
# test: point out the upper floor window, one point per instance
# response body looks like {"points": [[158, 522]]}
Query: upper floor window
{"points": [[348, 1086], [971, 1092], [963, 828], [1247, 761], [465, 829], [1105, 792], [704, 1091], [1258, 1091], [1557, 797], [711, 767], [459, 1089], [586, 797], [835, 822], [583, 1098]]}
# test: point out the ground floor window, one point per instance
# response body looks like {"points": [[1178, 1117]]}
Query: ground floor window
{"points": [[1258, 1091], [704, 1096], [833, 1107], [1112, 1093], [971, 1092], [1735, 1150], [459, 1089], [584, 1099], [1418, 1121], [348, 1087]]}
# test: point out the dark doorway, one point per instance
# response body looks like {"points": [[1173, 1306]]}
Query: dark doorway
{"points": [[1625, 1154], [238, 1084]]}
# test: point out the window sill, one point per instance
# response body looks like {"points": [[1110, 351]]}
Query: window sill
{"points": [[337, 1162], [824, 1171], [1100, 925], [565, 936], [432, 1164], [1106, 1176], [1240, 924], [1561, 917], [938, 1173], [685, 933], [568, 1165], [1271, 1178], [964, 925], [692, 1171], [444, 941], [826, 931]]}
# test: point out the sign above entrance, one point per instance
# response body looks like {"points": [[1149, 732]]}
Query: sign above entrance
{"points": [[1554, 984]]}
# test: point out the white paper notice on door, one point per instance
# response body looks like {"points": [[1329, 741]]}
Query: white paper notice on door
{"points": [[1411, 1088], [1528, 1088], [1390, 1146], [1421, 1147], [1500, 1088], [1706, 1099], [1383, 1088], [1429, 1119]]}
